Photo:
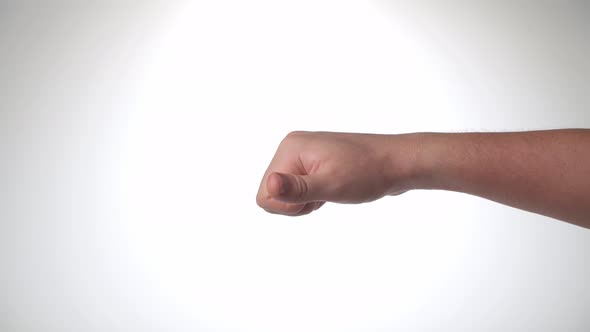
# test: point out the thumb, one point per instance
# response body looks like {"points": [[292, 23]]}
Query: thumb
{"points": [[292, 188]]}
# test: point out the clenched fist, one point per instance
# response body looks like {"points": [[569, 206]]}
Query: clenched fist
{"points": [[311, 168]]}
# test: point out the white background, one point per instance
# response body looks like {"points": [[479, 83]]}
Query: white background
{"points": [[133, 136]]}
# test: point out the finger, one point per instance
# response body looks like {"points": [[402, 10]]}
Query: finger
{"points": [[275, 206], [306, 208], [310, 207], [272, 205], [292, 188]]}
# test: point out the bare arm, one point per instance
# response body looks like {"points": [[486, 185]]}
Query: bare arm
{"points": [[546, 172]]}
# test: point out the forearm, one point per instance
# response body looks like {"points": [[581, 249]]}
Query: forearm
{"points": [[546, 172]]}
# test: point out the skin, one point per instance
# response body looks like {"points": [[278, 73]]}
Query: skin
{"points": [[545, 172]]}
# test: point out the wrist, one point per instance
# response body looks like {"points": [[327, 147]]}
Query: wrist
{"points": [[414, 160], [404, 166]]}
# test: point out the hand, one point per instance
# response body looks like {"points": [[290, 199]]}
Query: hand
{"points": [[311, 168]]}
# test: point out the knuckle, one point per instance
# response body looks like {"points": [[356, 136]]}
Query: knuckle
{"points": [[294, 135]]}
